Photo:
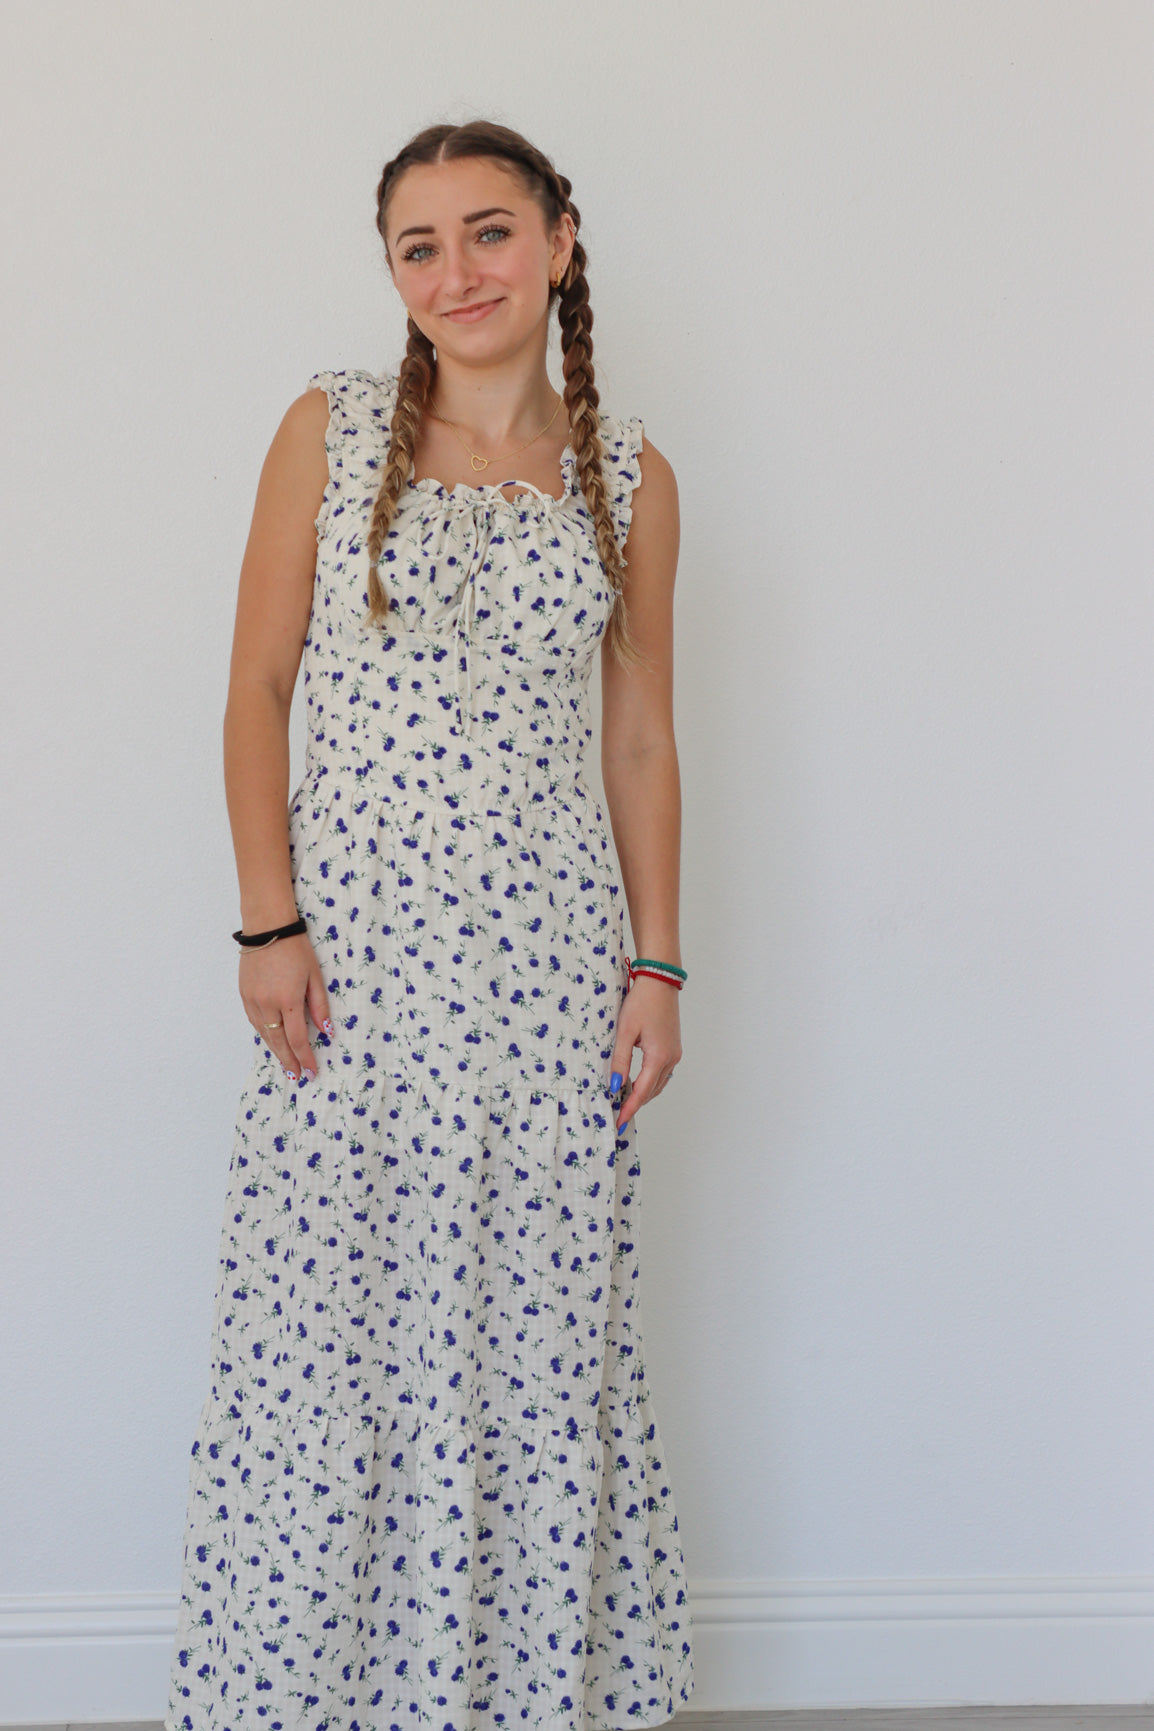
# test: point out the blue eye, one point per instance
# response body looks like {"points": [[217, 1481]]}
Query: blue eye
{"points": [[419, 246], [493, 228]]}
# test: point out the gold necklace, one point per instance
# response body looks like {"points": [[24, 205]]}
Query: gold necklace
{"points": [[480, 463]]}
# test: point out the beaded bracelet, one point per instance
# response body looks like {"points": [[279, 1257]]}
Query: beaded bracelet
{"points": [[657, 971], [261, 940]]}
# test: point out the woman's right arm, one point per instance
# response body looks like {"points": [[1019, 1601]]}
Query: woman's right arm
{"points": [[274, 601]]}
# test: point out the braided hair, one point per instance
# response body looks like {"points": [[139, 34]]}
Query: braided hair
{"points": [[418, 372]]}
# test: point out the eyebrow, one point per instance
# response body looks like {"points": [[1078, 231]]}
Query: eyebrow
{"points": [[473, 216]]}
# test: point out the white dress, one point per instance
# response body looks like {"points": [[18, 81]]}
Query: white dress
{"points": [[427, 1485]]}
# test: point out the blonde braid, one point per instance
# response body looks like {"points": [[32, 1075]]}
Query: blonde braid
{"points": [[583, 401], [414, 388]]}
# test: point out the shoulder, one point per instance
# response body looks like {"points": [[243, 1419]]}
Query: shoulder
{"points": [[298, 445], [655, 525], [308, 413], [657, 472], [337, 411]]}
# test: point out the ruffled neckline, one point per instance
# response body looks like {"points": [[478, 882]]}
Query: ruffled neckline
{"points": [[464, 490]]}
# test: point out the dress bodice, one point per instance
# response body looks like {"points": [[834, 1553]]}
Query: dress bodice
{"points": [[476, 686]]}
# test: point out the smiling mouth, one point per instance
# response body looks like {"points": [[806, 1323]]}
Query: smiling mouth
{"points": [[469, 314]]}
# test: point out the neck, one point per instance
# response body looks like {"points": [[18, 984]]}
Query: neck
{"points": [[496, 405]]}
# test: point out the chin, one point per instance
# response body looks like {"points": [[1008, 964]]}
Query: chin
{"points": [[473, 342]]}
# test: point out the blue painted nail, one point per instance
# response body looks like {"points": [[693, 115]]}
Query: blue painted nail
{"points": [[623, 1126], [615, 1081]]}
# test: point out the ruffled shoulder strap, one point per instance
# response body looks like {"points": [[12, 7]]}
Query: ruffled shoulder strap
{"points": [[357, 439], [364, 399], [621, 444]]}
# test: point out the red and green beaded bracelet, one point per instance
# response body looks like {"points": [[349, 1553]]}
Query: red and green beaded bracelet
{"points": [[657, 971]]}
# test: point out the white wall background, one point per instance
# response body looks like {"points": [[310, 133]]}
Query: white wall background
{"points": [[878, 276]]}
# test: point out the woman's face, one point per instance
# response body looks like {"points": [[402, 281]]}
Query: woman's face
{"points": [[471, 258]]}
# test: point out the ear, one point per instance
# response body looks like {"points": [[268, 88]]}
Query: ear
{"points": [[563, 240]]}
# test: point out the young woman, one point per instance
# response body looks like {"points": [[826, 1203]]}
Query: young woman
{"points": [[427, 1485]]}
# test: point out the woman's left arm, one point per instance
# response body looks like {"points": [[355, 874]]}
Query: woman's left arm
{"points": [[642, 782]]}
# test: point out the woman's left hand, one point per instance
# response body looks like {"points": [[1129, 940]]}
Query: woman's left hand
{"points": [[650, 1018]]}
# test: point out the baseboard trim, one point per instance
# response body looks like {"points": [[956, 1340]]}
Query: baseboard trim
{"points": [[983, 1597], [926, 1642], [50, 1617]]}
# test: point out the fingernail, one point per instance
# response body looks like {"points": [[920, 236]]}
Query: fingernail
{"points": [[622, 1125], [308, 1075], [615, 1081], [327, 1025], [291, 1074]]}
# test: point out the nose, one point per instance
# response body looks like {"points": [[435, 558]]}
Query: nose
{"points": [[459, 271]]}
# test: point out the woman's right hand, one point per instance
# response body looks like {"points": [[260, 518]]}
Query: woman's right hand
{"points": [[277, 985]]}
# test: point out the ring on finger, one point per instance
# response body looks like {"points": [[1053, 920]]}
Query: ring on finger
{"points": [[272, 1024]]}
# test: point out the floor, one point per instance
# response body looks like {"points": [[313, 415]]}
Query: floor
{"points": [[1136, 1718]]}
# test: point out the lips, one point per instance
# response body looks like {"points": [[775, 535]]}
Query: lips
{"points": [[472, 315]]}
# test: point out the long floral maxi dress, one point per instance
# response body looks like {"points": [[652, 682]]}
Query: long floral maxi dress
{"points": [[427, 1487]]}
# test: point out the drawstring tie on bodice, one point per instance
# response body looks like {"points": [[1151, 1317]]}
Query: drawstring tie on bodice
{"points": [[482, 516]]}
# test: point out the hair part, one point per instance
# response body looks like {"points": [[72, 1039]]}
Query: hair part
{"points": [[418, 371]]}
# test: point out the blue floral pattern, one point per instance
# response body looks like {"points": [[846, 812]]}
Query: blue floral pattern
{"points": [[427, 1485]]}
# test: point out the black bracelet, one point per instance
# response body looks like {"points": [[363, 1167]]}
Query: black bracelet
{"points": [[262, 939]]}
